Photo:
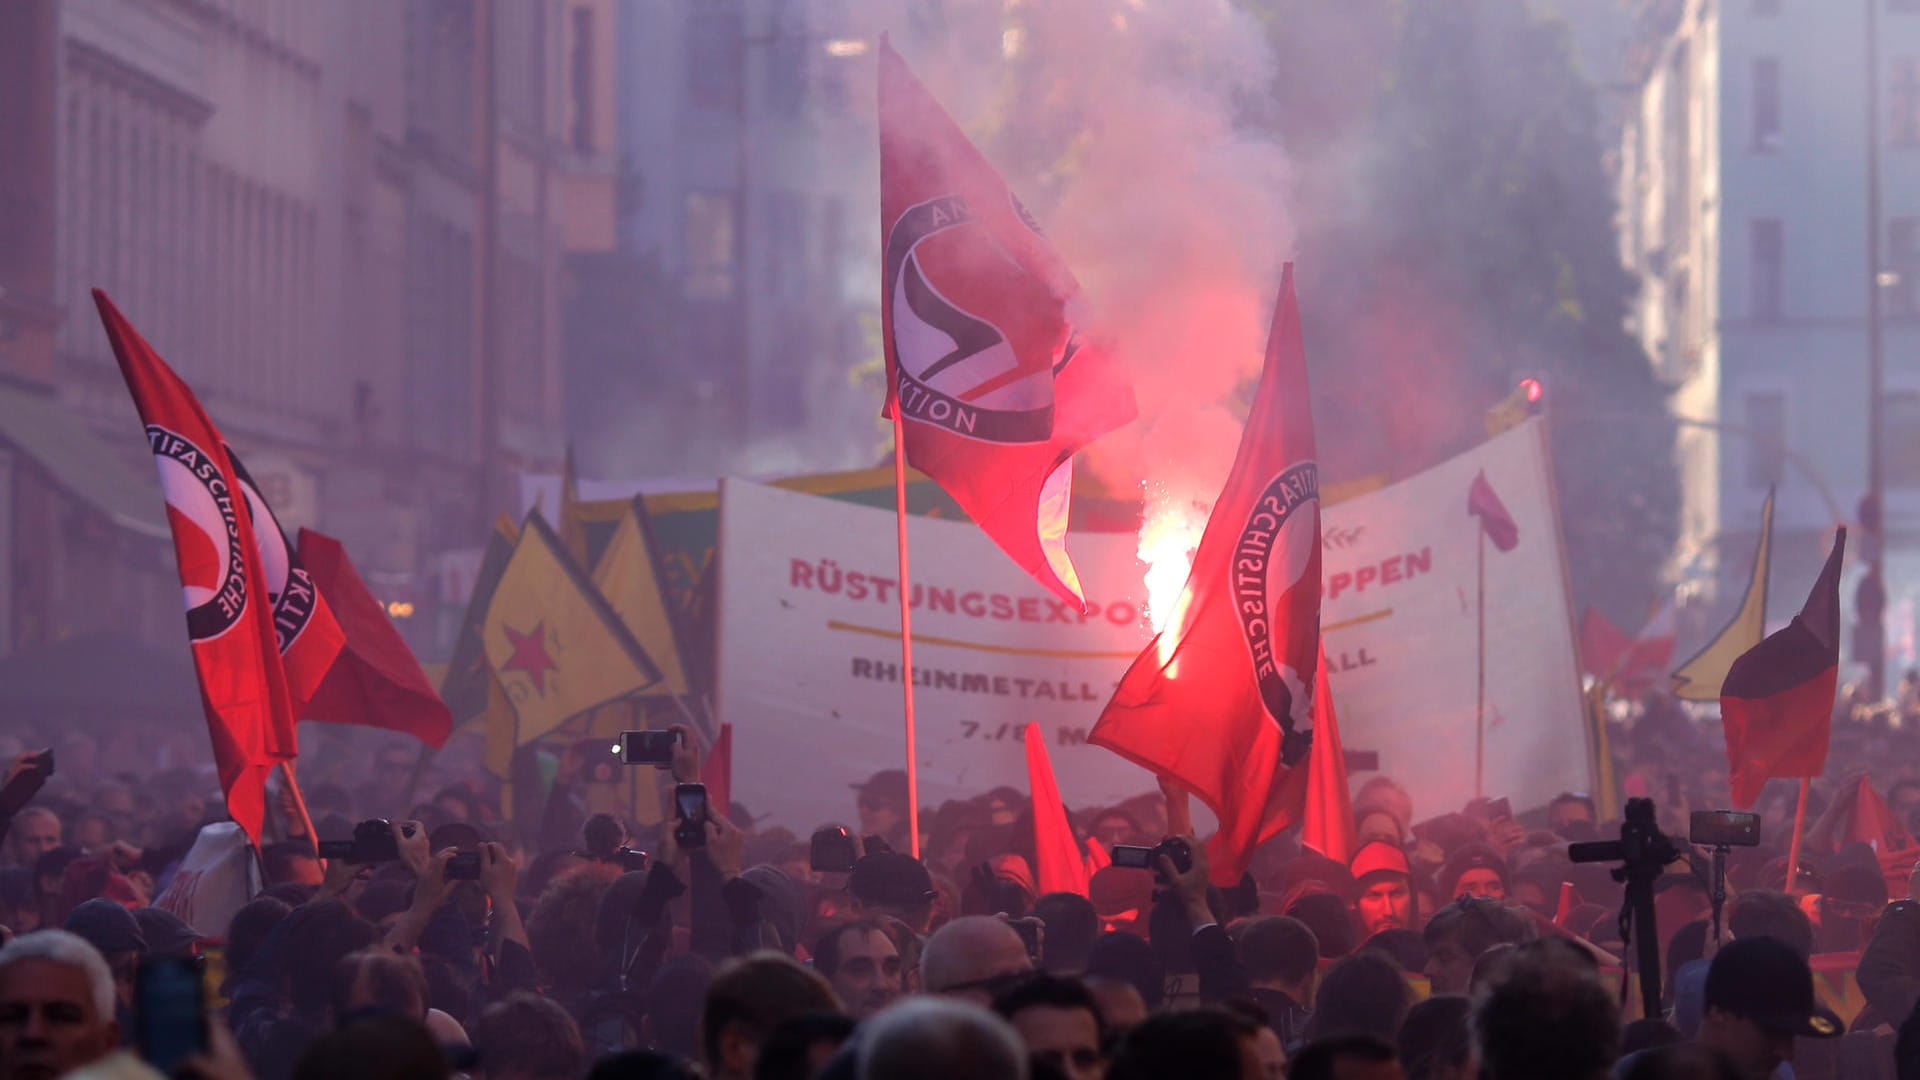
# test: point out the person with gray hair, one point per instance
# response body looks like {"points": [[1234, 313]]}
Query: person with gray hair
{"points": [[935, 1038], [56, 1006]]}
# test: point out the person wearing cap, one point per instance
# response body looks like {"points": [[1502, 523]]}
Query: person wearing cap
{"points": [[890, 883], [1759, 997], [882, 802], [115, 933], [1385, 879], [1473, 870]]}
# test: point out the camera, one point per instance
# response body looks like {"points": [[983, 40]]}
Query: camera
{"points": [[372, 843], [630, 860], [464, 866], [1642, 846], [1146, 858], [690, 803], [1723, 828], [653, 748]]}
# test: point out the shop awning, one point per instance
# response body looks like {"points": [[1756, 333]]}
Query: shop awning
{"points": [[79, 462]]}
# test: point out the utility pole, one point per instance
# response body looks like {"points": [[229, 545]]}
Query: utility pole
{"points": [[1870, 598], [486, 243]]}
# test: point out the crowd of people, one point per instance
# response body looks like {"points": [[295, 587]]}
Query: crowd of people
{"points": [[573, 943]]}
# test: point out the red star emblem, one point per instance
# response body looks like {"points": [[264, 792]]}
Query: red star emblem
{"points": [[530, 656]]}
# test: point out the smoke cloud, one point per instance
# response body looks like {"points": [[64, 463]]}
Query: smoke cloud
{"points": [[1115, 121]]}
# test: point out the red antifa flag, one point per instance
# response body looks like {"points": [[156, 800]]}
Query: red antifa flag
{"points": [[716, 772], [1484, 504], [243, 686], [995, 391], [310, 637], [1777, 702], [377, 681], [1327, 825], [1222, 700], [1870, 820], [1060, 866]]}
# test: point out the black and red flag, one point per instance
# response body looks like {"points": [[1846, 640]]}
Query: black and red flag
{"points": [[304, 624], [1777, 702], [1222, 700], [995, 391], [230, 621]]}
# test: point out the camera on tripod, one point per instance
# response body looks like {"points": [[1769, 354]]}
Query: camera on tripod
{"points": [[1642, 847]]}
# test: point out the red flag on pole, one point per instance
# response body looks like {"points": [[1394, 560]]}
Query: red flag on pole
{"points": [[1222, 700], [243, 686], [1871, 821], [1777, 702], [995, 391], [377, 681], [1327, 826], [1062, 867], [1484, 504], [716, 771], [309, 635]]}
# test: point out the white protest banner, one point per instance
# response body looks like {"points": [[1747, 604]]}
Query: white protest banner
{"points": [[1398, 618], [809, 657], [216, 879]]}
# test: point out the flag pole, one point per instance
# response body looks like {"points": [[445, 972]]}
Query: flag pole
{"points": [[1793, 849], [1480, 665], [300, 803], [906, 624]]}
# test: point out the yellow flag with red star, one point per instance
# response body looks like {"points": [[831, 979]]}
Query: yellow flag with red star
{"points": [[555, 645]]}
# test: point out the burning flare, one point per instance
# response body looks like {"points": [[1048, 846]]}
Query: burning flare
{"points": [[1170, 531]]}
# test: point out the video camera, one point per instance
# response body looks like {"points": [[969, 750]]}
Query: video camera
{"points": [[1643, 852], [372, 843], [1641, 845], [1148, 858]]}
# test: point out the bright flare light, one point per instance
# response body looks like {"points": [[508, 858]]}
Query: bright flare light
{"points": [[1169, 533]]}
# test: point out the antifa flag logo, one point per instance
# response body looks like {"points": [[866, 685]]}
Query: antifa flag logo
{"points": [[206, 532], [1276, 571], [974, 349], [289, 588]]}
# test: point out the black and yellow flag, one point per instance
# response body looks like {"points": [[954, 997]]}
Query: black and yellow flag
{"points": [[629, 578], [1699, 679], [556, 646], [466, 686]]}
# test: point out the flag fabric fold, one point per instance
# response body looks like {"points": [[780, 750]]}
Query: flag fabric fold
{"points": [[1222, 700], [1871, 821], [1777, 703], [230, 619], [994, 390], [1062, 867], [716, 770], [468, 686], [555, 646], [1700, 678], [1485, 504], [1327, 822], [377, 681], [309, 634], [629, 578]]}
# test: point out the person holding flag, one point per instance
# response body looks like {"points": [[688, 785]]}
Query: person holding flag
{"points": [[1222, 701]]}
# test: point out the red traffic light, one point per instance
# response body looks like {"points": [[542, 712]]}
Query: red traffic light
{"points": [[1533, 390]]}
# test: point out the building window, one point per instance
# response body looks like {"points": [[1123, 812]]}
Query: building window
{"points": [[714, 58], [1766, 270], [786, 70], [580, 68], [1903, 101], [1903, 261], [712, 244], [1900, 410], [1766, 424], [1766, 103]]}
